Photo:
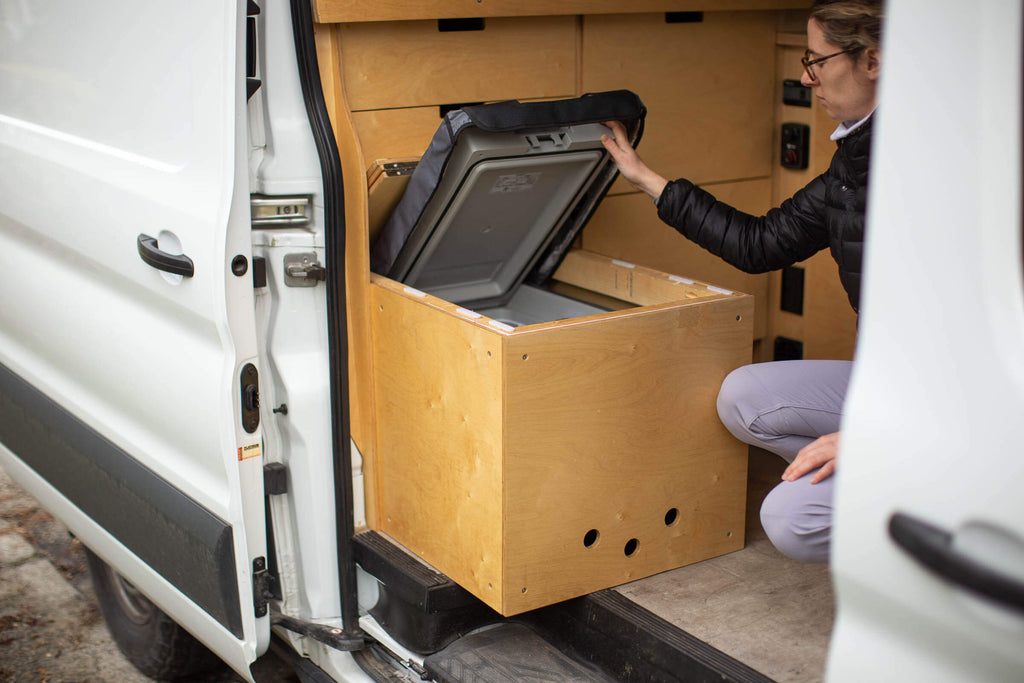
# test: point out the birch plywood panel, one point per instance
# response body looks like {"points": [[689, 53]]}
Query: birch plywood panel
{"points": [[500, 450], [708, 87], [412, 63], [438, 383], [627, 227], [395, 133], [611, 430], [392, 10]]}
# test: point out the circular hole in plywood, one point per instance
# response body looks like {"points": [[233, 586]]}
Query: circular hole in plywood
{"points": [[672, 516], [632, 545], [590, 538]]}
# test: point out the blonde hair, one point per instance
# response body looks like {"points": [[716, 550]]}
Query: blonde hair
{"points": [[850, 25]]}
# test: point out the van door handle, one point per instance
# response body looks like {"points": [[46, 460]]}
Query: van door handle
{"points": [[933, 548], [179, 264]]}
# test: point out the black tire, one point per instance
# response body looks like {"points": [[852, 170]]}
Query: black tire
{"points": [[146, 636]]}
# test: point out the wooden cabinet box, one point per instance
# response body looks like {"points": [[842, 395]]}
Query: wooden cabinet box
{"points": [[537, 463]]}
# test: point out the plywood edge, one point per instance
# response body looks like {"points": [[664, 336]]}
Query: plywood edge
{"points": [[634, 283], [333, 11]]}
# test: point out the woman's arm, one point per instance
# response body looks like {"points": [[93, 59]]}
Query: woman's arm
{"points": [[784, 236], [631, 166]]}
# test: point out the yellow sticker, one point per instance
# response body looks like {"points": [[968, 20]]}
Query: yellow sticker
{"points": [[253, 450]]}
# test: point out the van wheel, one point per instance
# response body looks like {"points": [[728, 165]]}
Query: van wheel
{"points": [[149, 639]]}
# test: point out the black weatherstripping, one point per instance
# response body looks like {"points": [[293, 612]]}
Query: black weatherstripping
{"points": [[337, 331], [150, 251], [933, 548], [181, 540]]}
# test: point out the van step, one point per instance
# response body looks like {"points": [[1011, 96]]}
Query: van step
{"points": [[420, 607], [509, 652]]}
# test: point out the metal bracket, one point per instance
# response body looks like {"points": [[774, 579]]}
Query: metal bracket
{"points": [[261, 593], [302, 270], [332, 637]]}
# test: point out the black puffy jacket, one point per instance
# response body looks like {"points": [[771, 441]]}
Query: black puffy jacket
{"points": [[829, 212]]}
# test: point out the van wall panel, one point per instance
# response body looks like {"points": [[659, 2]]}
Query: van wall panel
{"points": [[708, 86], [412, 63]]}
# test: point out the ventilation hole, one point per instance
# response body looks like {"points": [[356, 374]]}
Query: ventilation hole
{"points": [[590, 538], [671, 516], [631, 547]]}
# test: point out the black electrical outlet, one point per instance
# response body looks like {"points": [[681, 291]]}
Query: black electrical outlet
{"points": [[795, 143], [791, 297], [795, 93], [788, 349]]}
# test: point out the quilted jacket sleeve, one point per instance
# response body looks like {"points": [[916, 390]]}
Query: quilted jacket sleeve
{"points": [[791, 233]]}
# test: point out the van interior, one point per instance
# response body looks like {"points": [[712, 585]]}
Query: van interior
{"points": [[726, 110]]}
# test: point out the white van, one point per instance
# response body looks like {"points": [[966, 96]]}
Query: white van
{"points": [[266, 446]]}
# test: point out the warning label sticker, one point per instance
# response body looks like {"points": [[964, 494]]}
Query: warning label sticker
{"points": [[253, 450], [517, 182]]}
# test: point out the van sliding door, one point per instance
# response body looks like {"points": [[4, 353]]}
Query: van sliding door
{"points": [[128, 381]]}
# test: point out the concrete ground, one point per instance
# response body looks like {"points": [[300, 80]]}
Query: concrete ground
{"points": [[50, 626]]}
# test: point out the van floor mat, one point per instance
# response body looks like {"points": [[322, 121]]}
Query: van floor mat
{"points": [[507, 653]]}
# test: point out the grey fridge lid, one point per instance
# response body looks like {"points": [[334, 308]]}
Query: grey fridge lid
{"points": [[496, 204], [476, 242]]}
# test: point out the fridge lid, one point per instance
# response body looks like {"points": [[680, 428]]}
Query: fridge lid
{"points": [[499, 205]]}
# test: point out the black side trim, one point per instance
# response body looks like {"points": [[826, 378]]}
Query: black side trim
{"points": [[613, 632], [337, 331], [183, 541]]}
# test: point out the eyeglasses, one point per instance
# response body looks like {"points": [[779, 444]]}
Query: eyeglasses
{"points": [[808, 62]]}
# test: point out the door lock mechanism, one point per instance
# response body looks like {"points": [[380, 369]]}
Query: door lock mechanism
{"points": [[303, 270], [250, 386]]}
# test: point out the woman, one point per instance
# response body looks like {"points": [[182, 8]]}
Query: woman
{"points": [[793, 408]]}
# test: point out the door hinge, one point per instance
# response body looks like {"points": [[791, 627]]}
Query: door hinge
{"points": [[303, 270], [261, 586]]}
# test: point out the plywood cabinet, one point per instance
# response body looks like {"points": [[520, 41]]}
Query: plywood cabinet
{"points": [[539, 463]]}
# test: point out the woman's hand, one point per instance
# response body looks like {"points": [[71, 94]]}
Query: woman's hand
{"points": [[819, 455], [630, 165]]}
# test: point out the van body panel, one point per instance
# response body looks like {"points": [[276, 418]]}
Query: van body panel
{"points": [[137, 372]]}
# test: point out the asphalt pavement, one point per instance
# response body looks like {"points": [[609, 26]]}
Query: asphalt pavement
{"points": [[51, 629]]}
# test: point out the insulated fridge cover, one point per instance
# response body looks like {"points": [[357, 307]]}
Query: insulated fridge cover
{"points": [[500, 195]]}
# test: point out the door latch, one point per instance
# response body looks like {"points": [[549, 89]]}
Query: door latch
{"points": [[250, 399], [303, 270]]}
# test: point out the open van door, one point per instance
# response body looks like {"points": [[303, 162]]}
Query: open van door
{"points": [[129, 401], [929, 543]]}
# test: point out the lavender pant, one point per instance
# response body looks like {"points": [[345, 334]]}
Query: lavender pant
{"points": [[781, 407]]}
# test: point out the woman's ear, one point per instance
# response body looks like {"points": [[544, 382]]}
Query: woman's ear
{"points": [[872, 61]]}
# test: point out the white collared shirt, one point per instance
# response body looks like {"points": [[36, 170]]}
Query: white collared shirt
{"points": [[845, 129]]}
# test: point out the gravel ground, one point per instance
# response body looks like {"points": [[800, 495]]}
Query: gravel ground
{"points": [[51, 628]]}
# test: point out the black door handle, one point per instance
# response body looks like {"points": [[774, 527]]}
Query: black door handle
{"points": [[933, 547], [179, 264]]}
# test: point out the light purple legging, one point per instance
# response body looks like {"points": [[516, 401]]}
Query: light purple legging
{"points": [[781, 407]]}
